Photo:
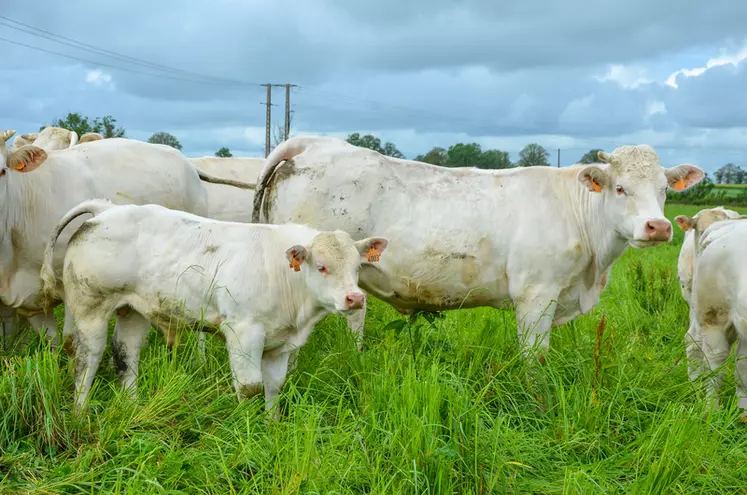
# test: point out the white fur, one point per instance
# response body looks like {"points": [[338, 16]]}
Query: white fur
{"points": [[538, 237], [226, 202]]}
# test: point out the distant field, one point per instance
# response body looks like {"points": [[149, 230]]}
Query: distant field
{"points": [[442, 408], [731, 189]]}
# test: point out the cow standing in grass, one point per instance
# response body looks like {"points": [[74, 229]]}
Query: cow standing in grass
{"points": [[718, 301], [264, 287], [37, 187], [542, 238]]}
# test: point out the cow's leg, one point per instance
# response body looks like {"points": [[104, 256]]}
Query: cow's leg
{"points": [[740, 374], [9, 323], [130, 333], [245, 344], [716, 351], [356, 322], [68, 333], [694, 350], [90, 343], [535, 310], [47, 325], [274, 371]]}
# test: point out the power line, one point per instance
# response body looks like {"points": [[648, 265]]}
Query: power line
{"points": [[29, 29]]}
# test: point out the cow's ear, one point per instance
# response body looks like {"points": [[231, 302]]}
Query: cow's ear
{"points": [[683, 177], [371, 248], [27, 158], [295, 256], [594, 178], [684, 222]]}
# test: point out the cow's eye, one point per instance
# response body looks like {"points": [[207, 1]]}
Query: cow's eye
{"points": [[620, 190], [2, 172], [322, 269]]}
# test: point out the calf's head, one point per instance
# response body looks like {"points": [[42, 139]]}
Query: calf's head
{"points": [[24, 159], [330, 264], [633, 185]]}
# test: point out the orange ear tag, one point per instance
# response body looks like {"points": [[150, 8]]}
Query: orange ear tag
{"points": [[372, 255], [295, 264], [679, 185], [595, 185]]}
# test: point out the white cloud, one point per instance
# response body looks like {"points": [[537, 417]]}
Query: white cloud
{"points": [[655, 107], [725, 59], [629, 77], [98, 77]]}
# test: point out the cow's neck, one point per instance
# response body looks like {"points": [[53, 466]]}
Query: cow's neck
{"points": [[599, 239]]}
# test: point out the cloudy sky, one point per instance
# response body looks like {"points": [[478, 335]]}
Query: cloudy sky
{"points": [[571, 75]]}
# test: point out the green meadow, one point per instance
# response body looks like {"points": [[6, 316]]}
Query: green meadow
{"points": [[442, 406]]}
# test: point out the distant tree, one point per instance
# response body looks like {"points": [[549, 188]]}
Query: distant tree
{"points": [[224, 153], [533, 155], [591, 156], [373, 143], [467, 155], [165, 138], [74, 121], [436, 156], [106, 126], [730, 174]]}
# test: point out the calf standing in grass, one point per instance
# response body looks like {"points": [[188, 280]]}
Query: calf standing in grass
{"points": [[264, 287], [718, 301]]}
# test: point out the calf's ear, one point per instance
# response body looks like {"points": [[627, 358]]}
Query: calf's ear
{"points": [[27, 158], [594, 178], [683, 177], [295, 256], [371, 248], [684, 222]]}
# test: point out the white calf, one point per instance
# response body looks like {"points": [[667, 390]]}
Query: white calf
{"points": [[170, 266], [718, 305]]}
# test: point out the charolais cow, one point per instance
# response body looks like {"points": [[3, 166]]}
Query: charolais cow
{"points": [[90, 136], [55, 138], [39, 186], [230, 203], [543, 238], [263, 287], [718, 302]]}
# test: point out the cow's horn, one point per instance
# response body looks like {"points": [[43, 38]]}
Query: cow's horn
{"points": [[5, 135]]}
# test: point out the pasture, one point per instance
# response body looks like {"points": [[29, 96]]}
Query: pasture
{"points": [[442, 406], [730, 190]]}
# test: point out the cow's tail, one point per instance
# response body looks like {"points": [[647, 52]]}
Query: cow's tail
{"points": [[49, 279], [73, 139], [226, 182], [284, 151]]}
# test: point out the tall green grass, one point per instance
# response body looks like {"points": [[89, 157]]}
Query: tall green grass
{"points": [[437, 407]]}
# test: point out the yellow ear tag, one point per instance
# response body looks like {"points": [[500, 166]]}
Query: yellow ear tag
{"points": [[295, 264], [595, 185], [372, 255]]}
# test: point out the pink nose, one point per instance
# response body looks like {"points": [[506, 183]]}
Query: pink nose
{"points": [[354, 300], [658, 230]]}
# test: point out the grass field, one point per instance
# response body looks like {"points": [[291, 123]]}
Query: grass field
{"points": [[731, 190], [447, 407]]}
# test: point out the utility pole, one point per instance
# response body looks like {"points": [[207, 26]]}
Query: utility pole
{"points": [[558, 157], [268, 118], [288, 109]]}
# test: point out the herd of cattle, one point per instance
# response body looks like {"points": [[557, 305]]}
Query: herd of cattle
{"points": [[259, 250]]}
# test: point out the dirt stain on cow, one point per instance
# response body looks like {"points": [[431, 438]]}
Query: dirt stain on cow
{"points": [[210, 249]]}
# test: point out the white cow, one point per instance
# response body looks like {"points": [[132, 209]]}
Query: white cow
{"points": [[90, 136], [542, 238], [55, 138], [685, 261], [718, 304], [230, 203], [25, 139], [37, 187], [264, 287]]}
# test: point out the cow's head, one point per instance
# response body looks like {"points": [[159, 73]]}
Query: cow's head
{"points": [[634, 187], [24, 159], [56, 138], [331, 263]]}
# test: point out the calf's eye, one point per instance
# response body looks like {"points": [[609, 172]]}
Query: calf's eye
{"points": [[322, 269], [620, 190]]}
